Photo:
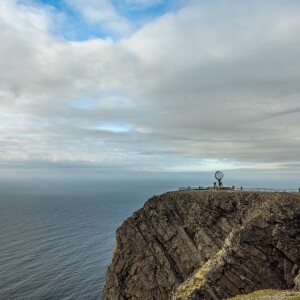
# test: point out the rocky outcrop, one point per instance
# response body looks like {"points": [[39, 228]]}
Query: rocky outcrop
{"points": [[207, 245]]}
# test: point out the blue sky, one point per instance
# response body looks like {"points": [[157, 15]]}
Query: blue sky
{"points": [[75, 26], [150, 85]]}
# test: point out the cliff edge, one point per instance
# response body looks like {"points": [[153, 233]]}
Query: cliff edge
{"points": [[207, 245]]}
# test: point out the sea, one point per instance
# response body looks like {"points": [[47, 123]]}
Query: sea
{"points": [[57, 229]]}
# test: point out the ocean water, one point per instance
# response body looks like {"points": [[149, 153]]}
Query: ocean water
{"points": [[57, 231]]}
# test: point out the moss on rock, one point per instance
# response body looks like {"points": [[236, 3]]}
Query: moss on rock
{"points": [[197, 279]]}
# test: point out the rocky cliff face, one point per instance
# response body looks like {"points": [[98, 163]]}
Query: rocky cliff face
{"points": [[207, 245]]}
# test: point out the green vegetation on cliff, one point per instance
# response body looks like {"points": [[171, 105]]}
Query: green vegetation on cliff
{"points": [[196, 280]]}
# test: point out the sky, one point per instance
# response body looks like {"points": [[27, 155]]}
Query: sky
{"points": [[150, 85]]}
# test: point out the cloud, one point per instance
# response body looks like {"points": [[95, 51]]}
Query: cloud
{"points": [[210, 83], [102, 13]]}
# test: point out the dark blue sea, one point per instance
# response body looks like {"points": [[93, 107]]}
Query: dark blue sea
{"points": [[57, 231]]}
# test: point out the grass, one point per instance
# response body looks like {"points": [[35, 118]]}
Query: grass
{"points": [[269, 295]]}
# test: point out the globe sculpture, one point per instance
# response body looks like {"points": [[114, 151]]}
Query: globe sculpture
{"points": [[219, 175]]}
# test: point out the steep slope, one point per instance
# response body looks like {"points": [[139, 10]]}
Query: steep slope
{"points": [[207, 245]]}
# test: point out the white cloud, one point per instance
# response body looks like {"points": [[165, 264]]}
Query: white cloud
{"points": [[212, 82], [102, 12]]}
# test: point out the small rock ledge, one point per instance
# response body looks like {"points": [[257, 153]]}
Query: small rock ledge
{"points": [[207, 245]]}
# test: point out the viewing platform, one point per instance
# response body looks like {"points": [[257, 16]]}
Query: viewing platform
{"points": [[219, 186], [233, 188]]}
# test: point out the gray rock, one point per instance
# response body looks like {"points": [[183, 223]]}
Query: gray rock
{"points": [[297, 282], [206, 245]]}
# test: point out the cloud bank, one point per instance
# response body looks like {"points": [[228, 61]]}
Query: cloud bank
{"points": [[211, 84]]}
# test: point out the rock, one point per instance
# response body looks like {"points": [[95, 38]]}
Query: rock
{"points": [[297, 282], [207, 245]]}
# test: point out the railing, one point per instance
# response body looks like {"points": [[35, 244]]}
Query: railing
{"points": [[185, 188], [270, 190]]}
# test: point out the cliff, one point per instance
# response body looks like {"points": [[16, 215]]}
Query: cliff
{"points": [[207, 245]]}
